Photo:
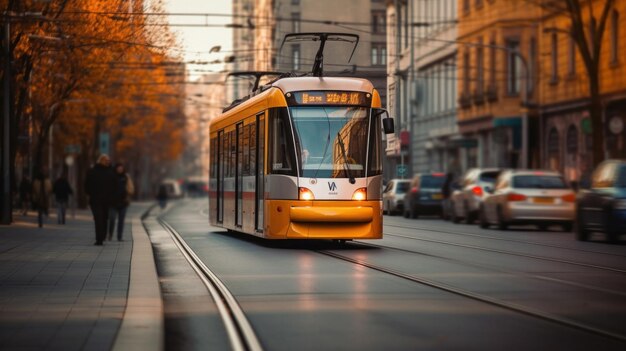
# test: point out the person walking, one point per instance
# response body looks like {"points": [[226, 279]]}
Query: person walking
{"points": [[121, 200], [446, 192], [100, 184], [41, 195], [25, 189], [162, 196], [62, 191]]}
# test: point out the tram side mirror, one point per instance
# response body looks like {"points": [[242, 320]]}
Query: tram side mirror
{"points": [[388, 125]]}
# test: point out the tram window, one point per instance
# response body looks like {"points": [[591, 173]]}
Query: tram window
{"points": [[226, 155], [252, 153], [281, 146], [246, 151], [213, 160], [233, 152], [374, 164]]}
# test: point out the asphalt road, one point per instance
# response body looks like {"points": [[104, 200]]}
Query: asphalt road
{"points": [[428, 285]]}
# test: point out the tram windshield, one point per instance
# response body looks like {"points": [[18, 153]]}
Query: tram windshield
{"points": [[331, 141]]}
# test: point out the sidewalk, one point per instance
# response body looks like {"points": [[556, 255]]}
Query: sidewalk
{"points": [[57, 290]]}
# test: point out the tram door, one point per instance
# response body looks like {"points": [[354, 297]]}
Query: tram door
{"points": [[239, 177], [221, 148], [259, 173]]}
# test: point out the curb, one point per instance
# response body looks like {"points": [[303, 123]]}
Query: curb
{"points": [[143, 326]]}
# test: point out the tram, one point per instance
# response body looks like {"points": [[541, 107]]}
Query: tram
{"points": [[300, 158]]}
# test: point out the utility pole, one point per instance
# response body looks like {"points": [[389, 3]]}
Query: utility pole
{"points": [[5, 216]]}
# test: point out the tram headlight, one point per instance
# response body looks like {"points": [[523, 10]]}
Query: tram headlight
{"points": [[305, 194], [360, 194]]}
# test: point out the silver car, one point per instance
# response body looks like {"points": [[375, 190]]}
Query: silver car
{"points": [[393, 196], [465, 202], [529, 197]]}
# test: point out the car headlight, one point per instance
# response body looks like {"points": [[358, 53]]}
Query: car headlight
{"points": [[619, 204]]}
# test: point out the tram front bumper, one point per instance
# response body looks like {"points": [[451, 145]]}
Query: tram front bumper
{"points": [[324, 219]]}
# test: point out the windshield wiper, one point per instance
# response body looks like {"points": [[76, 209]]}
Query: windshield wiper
{"points": [[345, 158]]}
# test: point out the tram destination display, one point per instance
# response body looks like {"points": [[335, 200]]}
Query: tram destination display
{"points": [[329, 98]]}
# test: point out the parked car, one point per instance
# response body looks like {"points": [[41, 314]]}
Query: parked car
{"points": [[466, 201], [424, 196], [173, 188], [196, 187], [393, 196], [602, 207], [542, 198]]}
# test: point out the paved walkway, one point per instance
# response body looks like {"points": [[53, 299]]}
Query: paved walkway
{"points": [[57, 290]]}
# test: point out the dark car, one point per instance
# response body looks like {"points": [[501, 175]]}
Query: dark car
{"points": [[602, 207], [424, 196]]}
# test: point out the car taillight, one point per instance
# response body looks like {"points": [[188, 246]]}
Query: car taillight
{"points": [[516, 197], [205, 188], [569, 198], [360, 194], [478, 191], [305, 194], [414, 190]]}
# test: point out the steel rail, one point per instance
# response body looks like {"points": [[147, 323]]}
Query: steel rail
{"points": [[240, 333], [434, 229], [512, 253], [482, 298]]}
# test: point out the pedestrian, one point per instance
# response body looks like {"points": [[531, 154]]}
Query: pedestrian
{"points": [[100, 184], [121, 200], [25, 190], [446, 192], [42, 188], [162, 196], [62, 191]]}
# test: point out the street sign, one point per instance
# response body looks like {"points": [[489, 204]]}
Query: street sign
{"points": [[401, 170], [104, 143], [72, 149]]}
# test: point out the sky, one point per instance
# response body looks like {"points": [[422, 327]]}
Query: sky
{"points": [[197, 41]]}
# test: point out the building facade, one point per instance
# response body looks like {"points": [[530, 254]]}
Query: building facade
{"points": [[422, 85], [565, 123]]}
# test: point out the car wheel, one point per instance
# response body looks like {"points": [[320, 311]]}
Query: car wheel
{"points": [[469, 218], [405, 213], [414, 213], [482, 218], [390, 210], [567, 227], [581, 233], [502, 225]]}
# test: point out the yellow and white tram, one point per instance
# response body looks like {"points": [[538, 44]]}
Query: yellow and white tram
{"points": [[301, 159]]}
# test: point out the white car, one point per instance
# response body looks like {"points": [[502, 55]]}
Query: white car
{"points": [[393, 196], [173, 188], [529, 197], [465, 201]]}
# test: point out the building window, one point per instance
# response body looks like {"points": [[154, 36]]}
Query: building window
{"points": [[295, 21], [374, 55], [614, 36], [572, 140], [492, 62], [466, 72], [554, 77], [295, 2], [532, 61], [379, 22], [296, 57], [466, 6], [554, 149], [480, 71], [571, 63], [379, 54], [513, 66], [383, 55], [479, 3]]}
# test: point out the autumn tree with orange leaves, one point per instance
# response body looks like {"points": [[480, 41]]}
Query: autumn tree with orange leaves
{"points": [[82, 67]]}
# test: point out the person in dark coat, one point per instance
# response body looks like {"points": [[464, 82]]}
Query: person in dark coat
{"points": [[162, 196], [25, 190], [62, 191], [100, 185], [41, 195], [121, 200]]}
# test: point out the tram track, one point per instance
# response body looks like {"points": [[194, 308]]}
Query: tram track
{"points": [[241, 335], [512, 253], [436, 230], [480, 297]]}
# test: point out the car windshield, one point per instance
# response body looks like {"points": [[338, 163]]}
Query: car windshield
{"points": [[401, 188], [538, 182], [489, 177], [432, 182], [332, 141]]}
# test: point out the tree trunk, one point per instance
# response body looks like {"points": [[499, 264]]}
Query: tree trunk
{"points": [[596, 116]]}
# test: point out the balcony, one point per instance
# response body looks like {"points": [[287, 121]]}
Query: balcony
{"points": [[465, 100], [492, 93], [478, 97]]}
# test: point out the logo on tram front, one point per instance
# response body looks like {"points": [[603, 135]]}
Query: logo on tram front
{"points": [[332, 186]]}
